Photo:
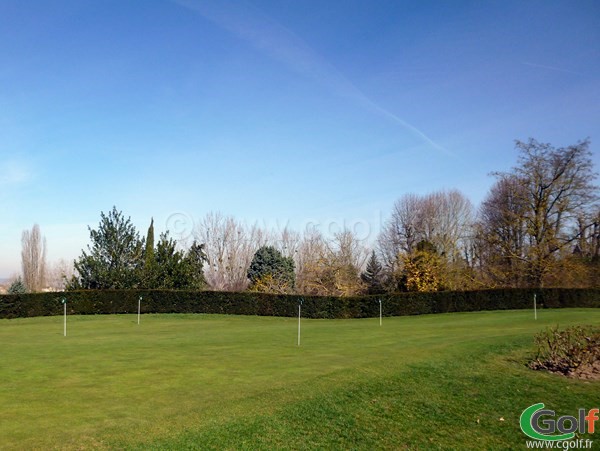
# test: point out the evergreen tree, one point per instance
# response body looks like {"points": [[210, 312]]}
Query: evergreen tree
{"points": [[114, 258], [271, 271], [17, 287], [172, 271], [150, 244], [195, 258], [175, 269], [149, 259], [373, 275]]}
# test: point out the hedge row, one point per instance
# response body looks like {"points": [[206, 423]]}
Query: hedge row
{"points": [[161, 301]]}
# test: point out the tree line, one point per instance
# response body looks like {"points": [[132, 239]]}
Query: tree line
{"points": [[538, 226]]}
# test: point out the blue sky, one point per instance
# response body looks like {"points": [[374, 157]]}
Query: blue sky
{"points": [[275, 111]]}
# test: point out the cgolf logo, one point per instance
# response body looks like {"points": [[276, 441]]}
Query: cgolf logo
{"points": [[540, 424]]}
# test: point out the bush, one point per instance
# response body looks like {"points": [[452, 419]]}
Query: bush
{"points": [[571, 352], [90, 302]]}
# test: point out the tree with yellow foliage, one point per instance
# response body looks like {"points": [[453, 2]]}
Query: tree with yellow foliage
{"points": [[423, 269]]}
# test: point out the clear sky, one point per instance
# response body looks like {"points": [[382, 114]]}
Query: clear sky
{"points": [[281, 111]]}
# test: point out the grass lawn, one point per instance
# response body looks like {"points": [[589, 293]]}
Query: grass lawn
{"points": [[455, 381]]}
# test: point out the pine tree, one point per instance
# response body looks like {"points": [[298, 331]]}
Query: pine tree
{"points": [[114, 258], [17, 287], [372, 275], [268, 265]]}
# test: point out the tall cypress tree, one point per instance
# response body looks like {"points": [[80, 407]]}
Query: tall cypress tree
{"points": [[150, 260], [150, 244]]}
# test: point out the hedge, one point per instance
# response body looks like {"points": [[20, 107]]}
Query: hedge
{"points": [[401, 304]]}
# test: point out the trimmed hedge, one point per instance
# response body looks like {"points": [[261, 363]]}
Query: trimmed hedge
{"points": [[401, 304]]}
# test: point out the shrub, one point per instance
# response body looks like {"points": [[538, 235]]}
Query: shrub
{"points": [[568, 352]]}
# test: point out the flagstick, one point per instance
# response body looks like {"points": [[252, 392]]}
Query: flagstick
{"points": [[299, 311], [380, 313], [534, 306], [65, 316], [139, 308], [298, 324]]}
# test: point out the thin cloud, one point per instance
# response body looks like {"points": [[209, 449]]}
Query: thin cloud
{"points": [[556, 69], [14, 173], [286, 47]]}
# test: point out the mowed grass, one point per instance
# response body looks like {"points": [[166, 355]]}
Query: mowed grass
{"points": [[455, 381]]}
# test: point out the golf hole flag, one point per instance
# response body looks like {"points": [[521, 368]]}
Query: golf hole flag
{"points": [[64, 302]]}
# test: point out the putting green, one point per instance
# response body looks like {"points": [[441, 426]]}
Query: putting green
{"points": [[210, 381]]}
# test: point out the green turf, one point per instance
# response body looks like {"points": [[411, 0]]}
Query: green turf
{"points": [[227, 382]]}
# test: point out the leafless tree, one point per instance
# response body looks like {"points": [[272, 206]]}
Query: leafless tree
{"points": [[535, 216], [33, 259], [59, 274], [229, 246], [588, 229], [502, 233], [559, 190], [446, 219], [311, 250], [331, 267], [442, 218], [400, 233], [349, 250], [287, 241]]}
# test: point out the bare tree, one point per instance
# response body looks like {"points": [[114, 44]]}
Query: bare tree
{"points": [[33, 259], [229, 246], [559, 190], [442, 218], [400, 233], [311, 250], [331, 267], [536, 216], [348, 249], [452, 218], [502, 233], [589, 235], [288, 243], [59, 274]]}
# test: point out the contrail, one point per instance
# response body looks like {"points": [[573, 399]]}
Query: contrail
{"points": [[557, 69], [286, 47]]}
